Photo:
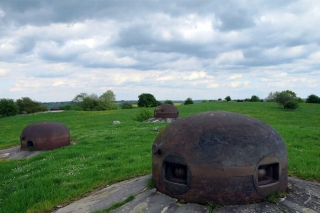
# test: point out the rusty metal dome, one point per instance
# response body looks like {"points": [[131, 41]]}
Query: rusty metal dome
{"points": [[44, 136], [166, 111], [219, 157]]}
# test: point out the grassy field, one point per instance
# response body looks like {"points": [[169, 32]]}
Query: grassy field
{"points": [[106, 153]]}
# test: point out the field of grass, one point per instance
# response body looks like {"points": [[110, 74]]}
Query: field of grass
{"points": [[106, 153]]}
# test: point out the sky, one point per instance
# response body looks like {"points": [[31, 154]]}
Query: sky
{"points": [[51, 51]]}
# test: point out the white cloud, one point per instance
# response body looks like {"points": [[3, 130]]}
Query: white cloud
{"points": [[3, 72], [195, 75], [229, 57], [239, 84], [235, 76]]}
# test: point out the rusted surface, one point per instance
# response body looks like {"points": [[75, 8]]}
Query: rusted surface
{"points": [[166, 111], [44, 136], [219, 157]]}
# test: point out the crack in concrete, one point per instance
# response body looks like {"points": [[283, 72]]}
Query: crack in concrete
{"points": [[309, 193]]}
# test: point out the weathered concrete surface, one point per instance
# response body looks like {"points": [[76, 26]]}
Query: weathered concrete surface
{"points": [[303, 196], [16, 153], [107, 196]]}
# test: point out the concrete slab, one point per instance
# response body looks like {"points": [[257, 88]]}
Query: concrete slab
{"points": [[303, 196], [16, 153], [107, 196]]}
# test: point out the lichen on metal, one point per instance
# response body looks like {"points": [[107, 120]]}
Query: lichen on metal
{"points": [[219, 157], [44, 136], [166, 111]]}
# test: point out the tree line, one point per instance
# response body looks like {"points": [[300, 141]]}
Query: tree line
{"points": [[107, 101], [9, 107], [287, 98]]}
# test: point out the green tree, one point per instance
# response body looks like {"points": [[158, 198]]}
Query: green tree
{"points": [[254, 98], [147, 100], [8, 107], [30, 106], [90, 104], [271, 97], [108, 100], [228, 98], [79, 98], [291, 104], [127, 106], [188, 101], [168, 102], [282, 97], [93, 96], [313, 99]]}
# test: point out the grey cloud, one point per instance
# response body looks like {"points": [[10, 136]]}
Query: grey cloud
{"points": [[142, 38], [25, 45], [234, 18], [56, 53], [50, 74]]}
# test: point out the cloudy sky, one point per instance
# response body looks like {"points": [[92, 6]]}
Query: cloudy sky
{"points": [[53, 50]]}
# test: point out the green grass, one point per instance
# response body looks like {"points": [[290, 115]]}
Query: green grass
{"points": [[106, 153]]}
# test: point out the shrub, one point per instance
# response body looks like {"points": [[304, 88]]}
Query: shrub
{"points": [[30, 106], [271, 97], [254, 98], [168, 102], [147, 100], [291, 104], [143, 115], [76, 107], [89, 104], [203, 101], [300, 100], [127, 106], [8, 107], [188, 101], [65, 107], [313, 99], [282, 97], [228, 98]]}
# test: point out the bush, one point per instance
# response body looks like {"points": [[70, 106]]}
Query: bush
{"points": [[89, 104], [65, 107], [168, 102], [30, 106], [143, 115], [300, 100], [188, 101], [282, 97], [147, 100], [291, 104], [313, 99], [203, 101], [228, 98], [8, 108], [271, 97], [254, 98], [127, 106]]}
